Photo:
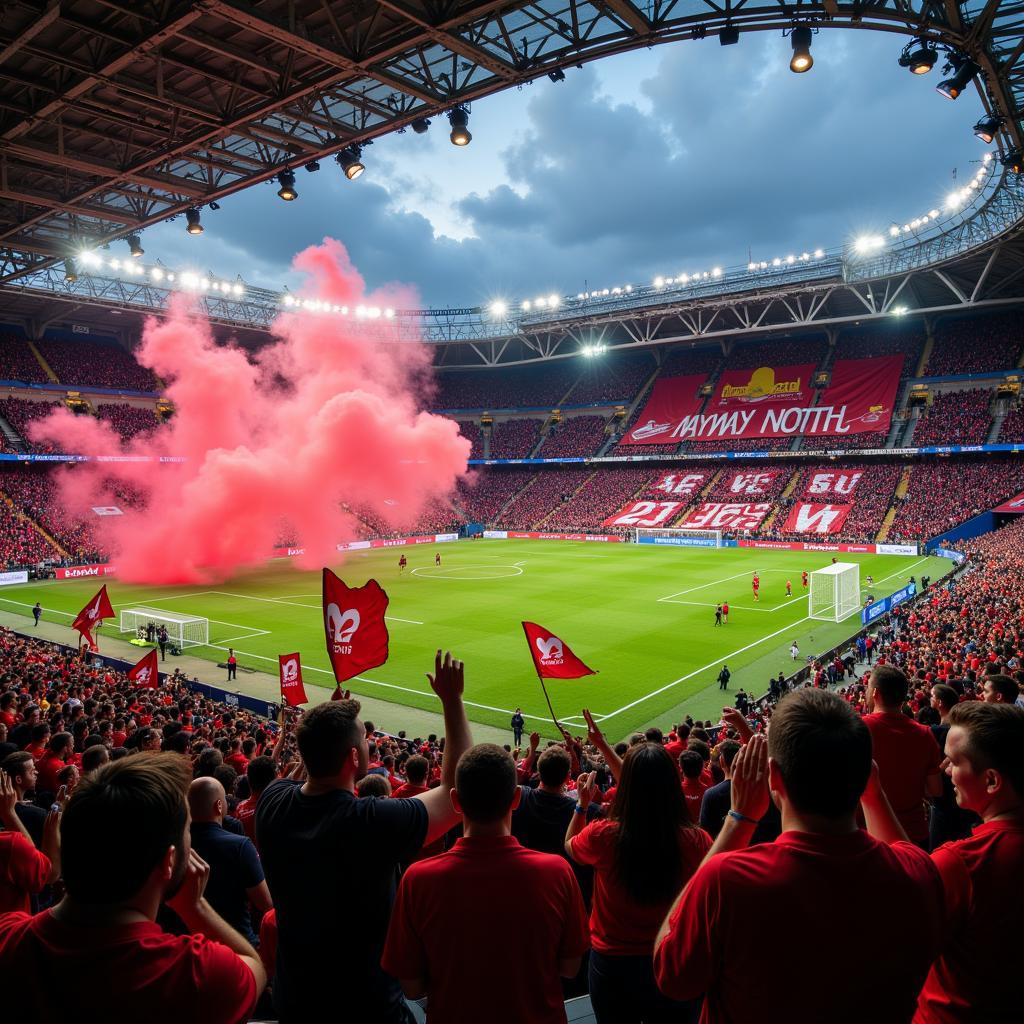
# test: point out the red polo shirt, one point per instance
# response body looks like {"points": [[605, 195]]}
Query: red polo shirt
{"points": [[693, 794], [970, 981], [23, 871], [245, 812], [906, 753], [619, 925], [804, 894], [48, 766], [163, 979], [453, 924]]}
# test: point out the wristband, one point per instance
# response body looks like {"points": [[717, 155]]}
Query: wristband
{"points": [[736, 816], [580, 809]]}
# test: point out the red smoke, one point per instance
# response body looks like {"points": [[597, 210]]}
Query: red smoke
{"points": [[273, 442]]}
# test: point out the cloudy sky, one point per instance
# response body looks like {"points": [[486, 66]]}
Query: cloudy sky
{"points": [[663, 161]]}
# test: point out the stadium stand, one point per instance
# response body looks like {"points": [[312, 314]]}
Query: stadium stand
{"points": [[17, 361], [781, 352], [617, 380], [20, 412], [101, 362], [510, 388], [575, 436], [473, 433], [128, 420], [20, 543], [975, 345], [959, 417], [602, 495], [549, 490], [865, 342], [482, 493], [1012, 429], [865, 439], [514, 439], [682, 362]]}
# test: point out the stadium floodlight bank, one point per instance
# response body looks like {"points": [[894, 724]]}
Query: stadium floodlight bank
{"points": [[835, 592], [678, 536], [182, 630]]}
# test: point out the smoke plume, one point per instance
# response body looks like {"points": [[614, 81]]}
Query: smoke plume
{"points": [[272, 442]]}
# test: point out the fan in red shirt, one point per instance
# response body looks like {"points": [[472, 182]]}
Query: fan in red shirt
{"points": [[981, 874], [908, 758], [449, 938], [24, 870], [126, 850], [642, 855], [823, 884], [695, 782], [260, 772]]}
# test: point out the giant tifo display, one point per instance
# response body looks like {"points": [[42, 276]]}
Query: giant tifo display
{"points": [[576, 582]]}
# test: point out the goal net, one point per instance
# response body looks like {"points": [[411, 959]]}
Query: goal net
{"points": [[835, 592], [182, 630], [679, 536]]}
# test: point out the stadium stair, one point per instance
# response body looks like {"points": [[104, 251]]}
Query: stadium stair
{"points": [[512, 497], [898, 495], [15, 442], [997, 423], [790, 487], [700, 498], [42, 362], [539, 525], [485, 433], [926, 351], [35, 526], [908, 435]]}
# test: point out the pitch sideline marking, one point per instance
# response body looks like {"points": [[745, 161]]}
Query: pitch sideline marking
{"points": [[296, 604], [713, 583], [738, 607]]}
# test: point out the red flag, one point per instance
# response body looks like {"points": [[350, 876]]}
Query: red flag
{"points": [[291, 679], [147, 672], [551, 655], [357, 638], [90, 616]]}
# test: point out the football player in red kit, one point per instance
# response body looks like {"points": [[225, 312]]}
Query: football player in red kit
{"points": [[803, 578], [402, 563], [756, 585]]}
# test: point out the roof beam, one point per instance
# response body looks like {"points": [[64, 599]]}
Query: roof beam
{"points": [[49, 202], [43, 21], [631, 15]]}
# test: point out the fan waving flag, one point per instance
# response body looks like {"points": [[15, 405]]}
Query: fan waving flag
{"points": [[357, 637], [147, 672], [292, 690], [552, 657], [92, 614]]}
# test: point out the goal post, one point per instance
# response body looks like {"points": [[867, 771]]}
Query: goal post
{"points": [[835, 592], [182, 630], [678, 536]]}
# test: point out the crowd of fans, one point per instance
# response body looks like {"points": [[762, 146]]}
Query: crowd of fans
{"points": [[482, 494], [1012, 428], [474, 433], [514, 439], [975, 345], [608, 490], [128, 420], [528, 387], [873, 341], [955, 417], [20, 412], [617, 380], [575, 436], [101, 362], [21, 543], [549, 490], [848, 442], [781, 352], [17, 361]]}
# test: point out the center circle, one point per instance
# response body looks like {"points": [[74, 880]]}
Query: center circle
{"points": [[462, 572]]}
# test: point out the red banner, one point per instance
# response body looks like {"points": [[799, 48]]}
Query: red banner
{"points": [[533, 535], [863, 393], [673, 401], [786, 545], [683, 484], [809, 517], [357, 637], [290, 671], [722, 515], [646, 513], [77, 572], [146, 672], [98, 609], [552, 657], [765, 386], [748, 483], [1013, 505], [834, 481]]}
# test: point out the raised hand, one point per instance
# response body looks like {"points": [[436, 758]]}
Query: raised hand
{"points": [[185, 902], [447, 680], [594, 735], [734, 720], [8, 797], [750, 779], [586, 784], [534, 740]]}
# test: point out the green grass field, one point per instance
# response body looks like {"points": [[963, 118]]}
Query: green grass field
{"points": [[641, 615]]}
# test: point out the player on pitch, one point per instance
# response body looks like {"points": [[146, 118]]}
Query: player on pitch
{"points": [[755, 584]]}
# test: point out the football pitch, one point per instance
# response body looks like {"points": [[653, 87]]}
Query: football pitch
{"points": [[642, 616]]}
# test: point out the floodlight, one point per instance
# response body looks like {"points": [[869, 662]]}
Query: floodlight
{"points": [[498, 309], [1014, 162], [135, 246], [286, 179], [558, 75], [312, 166], [987, 127], [802, 60], [193, 226], [964, 71], [919, 57], [458, 117], [349, 162], [70, 271], [421, 125], [729, 36]]}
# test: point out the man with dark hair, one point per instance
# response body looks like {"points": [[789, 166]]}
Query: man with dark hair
{"points": [[823, 884], [236, 876], [125, 850], [416, 771], [94, 758], [980, 874], [260, 772], [1000, 689], [331, 859], [449, 938], [21, 734], [909, 761], [948, 820], [518, 723], [21, 768], [24, 870], [58, 753], [691, 767]]}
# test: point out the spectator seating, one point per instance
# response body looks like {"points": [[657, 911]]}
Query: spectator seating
{"points": [[870, 341], [514, 439], [960, 417], [604, 493], [1012, 429], [482, 493], [100, 362], [846, 442], [612, 380], [20, 412], [527, 387], [976, 345], [782, 352], [20, 543], [17, 361], [128, 420], [473, 432], [550, 489], [575, 436]]}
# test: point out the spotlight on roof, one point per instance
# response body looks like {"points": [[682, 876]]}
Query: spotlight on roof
{"points": [[421, 125], [193, 227], [987, 127], [70, 271], [458, 117], [312, 166], [498, 309], [868, 244], [964, 70], [802, 60], [729, 36], [349, 162], [558, 75], [918, 57], [135, 247], [1014, 162], [286, 179]]}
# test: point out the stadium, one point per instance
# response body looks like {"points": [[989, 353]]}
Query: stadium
{"points": [[757, 513]]}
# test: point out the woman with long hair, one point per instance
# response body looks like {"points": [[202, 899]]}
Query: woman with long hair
{"points": [[642, 854]]}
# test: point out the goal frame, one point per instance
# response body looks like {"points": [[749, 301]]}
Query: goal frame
{"points": [[834, 592], [183, 631], [677, 536]]}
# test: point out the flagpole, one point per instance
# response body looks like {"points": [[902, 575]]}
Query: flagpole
{"points": [[554, 718]]}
